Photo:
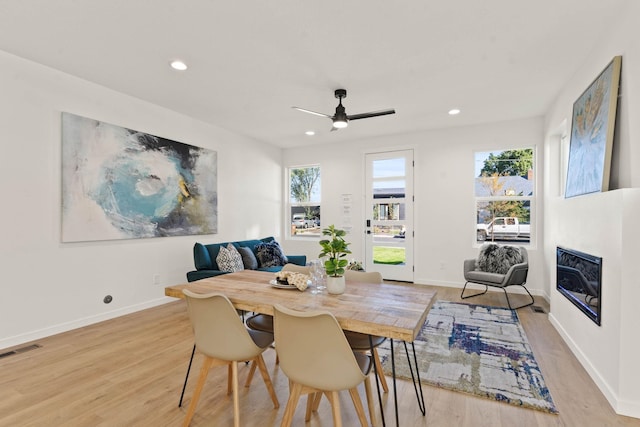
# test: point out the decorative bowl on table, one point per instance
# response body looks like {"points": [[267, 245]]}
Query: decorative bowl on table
{"points": [[292, 279]]}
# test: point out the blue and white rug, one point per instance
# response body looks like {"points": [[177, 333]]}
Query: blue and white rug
{"points": [[475, 349]]}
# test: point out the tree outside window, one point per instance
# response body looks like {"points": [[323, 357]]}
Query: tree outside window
{"points": [[304, 201], [504, 192]]}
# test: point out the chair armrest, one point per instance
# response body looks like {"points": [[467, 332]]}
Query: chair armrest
{"points": [[469, 265], [517, 274]]}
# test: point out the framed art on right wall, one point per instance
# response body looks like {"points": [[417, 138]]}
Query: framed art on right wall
{"points": [[592, 131]]}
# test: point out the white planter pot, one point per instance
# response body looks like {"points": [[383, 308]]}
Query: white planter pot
{"points": [[335, 285]]}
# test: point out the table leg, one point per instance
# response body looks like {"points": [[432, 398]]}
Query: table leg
{"points": [[417, 384], [186, 377], [395, 389], [375, 374]]}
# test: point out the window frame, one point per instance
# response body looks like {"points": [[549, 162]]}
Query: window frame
{"points": [[292, 233], [529, 200]]}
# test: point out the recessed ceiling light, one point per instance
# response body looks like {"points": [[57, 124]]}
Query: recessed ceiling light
{"points": [[454, 111], [310, 133], [178, 65]]}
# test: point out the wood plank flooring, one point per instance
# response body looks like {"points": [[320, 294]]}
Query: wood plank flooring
{"points": [[129, 372]]}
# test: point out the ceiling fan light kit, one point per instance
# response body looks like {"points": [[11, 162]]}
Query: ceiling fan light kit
{"points": [[340, 123], [341, 119]]}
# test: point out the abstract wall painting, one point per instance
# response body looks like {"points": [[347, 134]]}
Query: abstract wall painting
{"points": [[119, 183], [592, 131]]}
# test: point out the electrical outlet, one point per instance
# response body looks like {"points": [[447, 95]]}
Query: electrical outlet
{"points": [[156, 279]]}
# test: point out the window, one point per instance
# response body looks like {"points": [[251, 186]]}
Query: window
{"points": [[504, 193], [304, 201]]}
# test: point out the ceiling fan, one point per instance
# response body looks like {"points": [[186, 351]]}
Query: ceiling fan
{"points": [[341, 119]]}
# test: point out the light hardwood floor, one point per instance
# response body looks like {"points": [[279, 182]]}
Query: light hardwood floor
{"points": [[129, 372]]}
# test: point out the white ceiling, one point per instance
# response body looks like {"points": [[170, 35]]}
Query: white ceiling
{"points": [[250, 61]]}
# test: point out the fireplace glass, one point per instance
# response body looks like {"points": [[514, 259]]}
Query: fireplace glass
{"points": [[579, 277]]}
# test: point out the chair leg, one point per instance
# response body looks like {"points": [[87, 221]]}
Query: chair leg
{"points": [[520, 306], [357, 402], [307, 414], [313, 402], [486, 288], [267, 380], [316, 401], [294, 396], [252, 371], [204, 372], [236, 396], [335, 407], [383, 379], [369, 395]]}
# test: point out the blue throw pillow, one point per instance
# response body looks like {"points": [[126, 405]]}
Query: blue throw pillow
{"points": [[248, 258], [270, 254]]}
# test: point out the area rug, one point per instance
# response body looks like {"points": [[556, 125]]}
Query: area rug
{"points": [[475, 349]]}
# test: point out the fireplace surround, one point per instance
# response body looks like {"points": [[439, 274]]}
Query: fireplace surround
{"points": [[579, 278]]}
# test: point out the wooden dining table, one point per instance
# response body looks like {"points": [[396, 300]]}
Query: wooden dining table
{"points": [[394, 310]]}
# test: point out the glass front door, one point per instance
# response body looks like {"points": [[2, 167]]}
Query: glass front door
{"points": [[389, 221]]}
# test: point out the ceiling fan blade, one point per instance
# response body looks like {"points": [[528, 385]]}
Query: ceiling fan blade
{"points": [[312, 112], [371, 114]]}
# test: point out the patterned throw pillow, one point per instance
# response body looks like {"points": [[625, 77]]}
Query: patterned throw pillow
{"points": [[498, 259], [270, 254], [248, 258], [229, 259]]}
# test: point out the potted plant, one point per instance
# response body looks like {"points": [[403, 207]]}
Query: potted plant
{"points": [[335, 248]]}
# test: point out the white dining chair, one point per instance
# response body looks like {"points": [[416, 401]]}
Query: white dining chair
{"points": [[224, 340], [317, 359]]}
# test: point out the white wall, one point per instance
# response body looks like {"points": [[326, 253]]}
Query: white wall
{"points": [[49, 286], [603, 224], [444, 184]]}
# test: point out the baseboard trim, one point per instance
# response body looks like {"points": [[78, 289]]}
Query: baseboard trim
{"points": [[6, 343], [625, 408]]}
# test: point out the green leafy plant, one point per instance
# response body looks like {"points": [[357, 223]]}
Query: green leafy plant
{"points": [[336, 249]]}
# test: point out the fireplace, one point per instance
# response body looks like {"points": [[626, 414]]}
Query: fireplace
{"points": [[579, 278]]}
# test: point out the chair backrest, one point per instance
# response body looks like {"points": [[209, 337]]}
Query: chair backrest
{"points": [[363, 276], [519, 276], [219, 332], [525, 256], [296, 268], [313, 350]]}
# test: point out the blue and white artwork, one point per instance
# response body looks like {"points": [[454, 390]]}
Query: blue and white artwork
{"points": [[592, 130], [119, 183]]}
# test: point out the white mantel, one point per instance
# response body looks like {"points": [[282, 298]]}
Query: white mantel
{"points": [[605, 225]]}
